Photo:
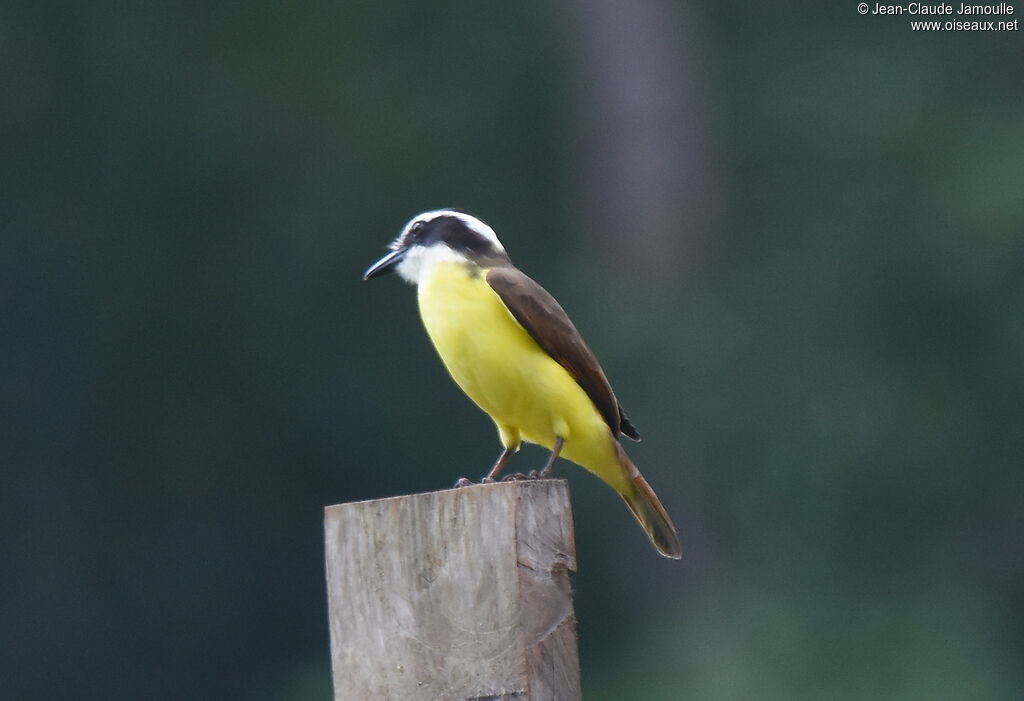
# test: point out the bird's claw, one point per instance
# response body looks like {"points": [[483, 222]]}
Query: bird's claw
{"points": [[514, 477], [519, 476]]}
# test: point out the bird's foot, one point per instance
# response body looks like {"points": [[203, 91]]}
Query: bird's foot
{"points": [[519, 476]]}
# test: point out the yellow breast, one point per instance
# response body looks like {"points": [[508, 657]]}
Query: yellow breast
{"points": [[503, 370]]}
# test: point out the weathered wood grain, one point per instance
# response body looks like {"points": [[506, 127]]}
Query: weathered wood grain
{"points": [[459, 594]]}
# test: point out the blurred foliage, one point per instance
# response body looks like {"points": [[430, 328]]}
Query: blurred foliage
{"points": [[830, 382]]}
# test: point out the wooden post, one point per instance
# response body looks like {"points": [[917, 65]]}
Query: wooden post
{"points": [[459, 594]]}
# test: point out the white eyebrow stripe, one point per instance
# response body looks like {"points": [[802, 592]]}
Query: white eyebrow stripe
{"points": [[469, 220]]}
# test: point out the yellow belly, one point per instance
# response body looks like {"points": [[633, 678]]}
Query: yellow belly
{"points": [[503, 370]]}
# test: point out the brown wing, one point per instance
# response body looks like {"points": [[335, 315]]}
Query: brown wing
{"points": [[545, 320]]}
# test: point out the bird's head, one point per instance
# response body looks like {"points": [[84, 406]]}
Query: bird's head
{"points": [[445, 235]]}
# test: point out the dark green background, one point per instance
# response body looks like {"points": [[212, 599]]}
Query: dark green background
{"points": [[795, 238]]}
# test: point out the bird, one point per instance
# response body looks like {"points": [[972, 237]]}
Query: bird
{"points": [[509, 345]]}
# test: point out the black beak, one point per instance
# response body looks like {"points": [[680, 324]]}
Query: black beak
{"points": [[386, 264]]}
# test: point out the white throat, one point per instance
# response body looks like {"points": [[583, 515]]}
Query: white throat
{"points": [[420, 261]]}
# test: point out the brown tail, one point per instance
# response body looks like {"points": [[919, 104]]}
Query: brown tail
{"points": [[644, 504]]}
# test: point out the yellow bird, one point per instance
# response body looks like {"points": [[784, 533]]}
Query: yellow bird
{"points": [[514, 351]]}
